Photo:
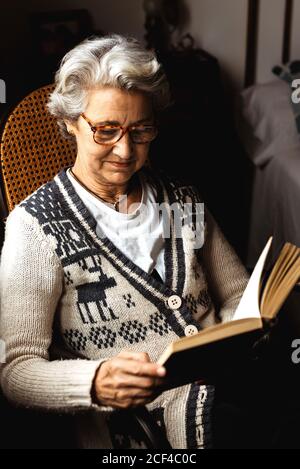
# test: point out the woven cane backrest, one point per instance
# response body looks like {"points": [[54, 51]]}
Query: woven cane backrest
{"points": [[32, 149]]}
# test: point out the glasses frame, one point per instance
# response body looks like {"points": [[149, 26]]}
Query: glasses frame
{"points": [[94, 129]]}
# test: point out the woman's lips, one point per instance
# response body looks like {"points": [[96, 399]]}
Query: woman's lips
{"points": [[121, 165]]}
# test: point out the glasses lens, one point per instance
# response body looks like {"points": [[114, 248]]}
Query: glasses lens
{"points": [[110, 134], [143, 134], [107, 134]]}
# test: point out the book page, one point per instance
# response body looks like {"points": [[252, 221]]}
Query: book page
{"points": [[273, 304], [279, 278], [249, 304]]}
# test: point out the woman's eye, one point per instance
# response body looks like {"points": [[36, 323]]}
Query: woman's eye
{"points": [[108, 132], [142, 129]]}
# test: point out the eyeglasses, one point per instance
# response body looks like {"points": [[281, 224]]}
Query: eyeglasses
{"points": [[110, 134]]}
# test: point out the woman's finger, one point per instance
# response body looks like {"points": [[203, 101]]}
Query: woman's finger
{"points": [[136, 368], [131, 381]]}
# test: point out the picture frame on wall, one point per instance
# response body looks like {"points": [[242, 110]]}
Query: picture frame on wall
{"points": [[54, 33]]}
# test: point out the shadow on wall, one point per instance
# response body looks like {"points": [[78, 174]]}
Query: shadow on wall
{"points": [[198, 141]]}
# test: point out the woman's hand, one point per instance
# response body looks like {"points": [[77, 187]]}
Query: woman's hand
{"points": [[128, 380]]}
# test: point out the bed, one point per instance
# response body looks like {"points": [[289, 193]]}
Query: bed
{"points": [[270, 132], [273, 144]]}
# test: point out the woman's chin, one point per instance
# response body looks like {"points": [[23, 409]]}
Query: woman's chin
{"points": [[118, 177]]}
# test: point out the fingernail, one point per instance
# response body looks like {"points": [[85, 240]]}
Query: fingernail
{"points": [[161, 371]]}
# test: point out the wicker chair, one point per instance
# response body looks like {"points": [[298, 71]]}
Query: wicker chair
{"points": [[32, 150]]}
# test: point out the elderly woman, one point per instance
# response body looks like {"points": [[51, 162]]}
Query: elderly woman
{"points": [[93, 285]]}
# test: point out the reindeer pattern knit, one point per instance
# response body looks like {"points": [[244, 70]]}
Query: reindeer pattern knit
{"points": [[71, 299]]}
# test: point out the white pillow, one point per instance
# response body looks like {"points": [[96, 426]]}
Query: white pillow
{"points": [[268, 112]]}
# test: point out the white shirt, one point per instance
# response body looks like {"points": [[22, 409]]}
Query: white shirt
{"points": [[138, 235]]}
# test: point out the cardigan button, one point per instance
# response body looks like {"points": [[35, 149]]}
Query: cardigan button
{"points": [[174, 302], [190, 330]]}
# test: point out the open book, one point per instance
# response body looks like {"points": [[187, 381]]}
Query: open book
{"points": [[210, 351]]}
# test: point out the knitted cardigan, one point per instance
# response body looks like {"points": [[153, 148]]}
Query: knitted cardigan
{"points": [[70, 300]]}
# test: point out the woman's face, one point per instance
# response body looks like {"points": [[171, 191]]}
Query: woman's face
{"points": [[105, 105]]}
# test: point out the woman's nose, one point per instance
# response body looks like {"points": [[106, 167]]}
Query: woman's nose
{"points": [[124, 147]]}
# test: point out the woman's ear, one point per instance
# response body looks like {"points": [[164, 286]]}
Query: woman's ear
{"points": [[70, 127]]}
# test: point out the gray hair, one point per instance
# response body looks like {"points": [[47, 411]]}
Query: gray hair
{"points": [[114, 60]]}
